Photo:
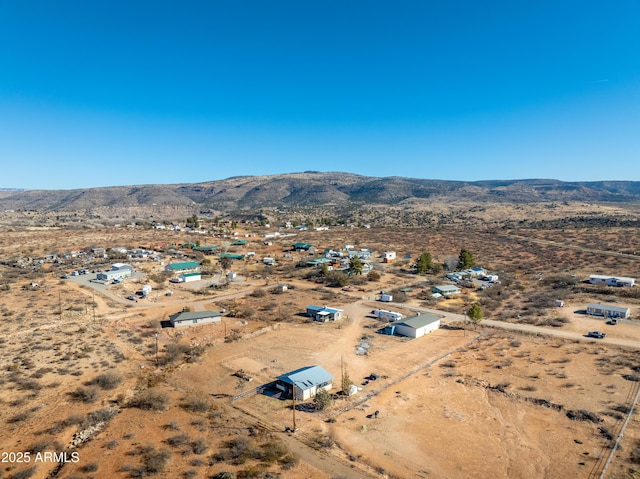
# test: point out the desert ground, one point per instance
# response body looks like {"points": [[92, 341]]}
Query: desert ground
{"points": [[523, 394]]}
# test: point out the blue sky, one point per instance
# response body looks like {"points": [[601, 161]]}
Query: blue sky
{"points": [[116, 93]]}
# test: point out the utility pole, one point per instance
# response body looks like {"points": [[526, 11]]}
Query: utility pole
{"points": [[156, 348], [344, 393], [93, 302], [293, 395], [60, 304]]}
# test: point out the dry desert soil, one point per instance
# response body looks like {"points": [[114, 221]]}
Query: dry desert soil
{"points": [[97, 386]]}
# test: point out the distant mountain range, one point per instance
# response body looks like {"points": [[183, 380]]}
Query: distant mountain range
{"points": [[315, 189]]}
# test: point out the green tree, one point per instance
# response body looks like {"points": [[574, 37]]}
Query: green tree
{"points": [[325, 269], [424, 263], [322, 399], [355, 265], [466, 259], [193, 222], [346, 383], [234, 224], [475, 314], [225, 263]]}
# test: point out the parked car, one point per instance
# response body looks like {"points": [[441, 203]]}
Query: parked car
{"points": [[612, 321], [595, 334], [132, 298]]}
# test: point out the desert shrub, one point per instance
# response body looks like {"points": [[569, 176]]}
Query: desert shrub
{"points": [[258, 293], [85, 394], [173, 352], [373, 276], [199, 446], [40, 446], [24, 473], [178, 440], [289, 461], [103, 415], [109, 380], [20, 417], [231, 475], [91, 467], [273, 450], [150, 400], [153, 461], [111, 444]]}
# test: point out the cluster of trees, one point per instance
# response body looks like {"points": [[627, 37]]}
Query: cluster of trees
{"points": [[425, 263]]}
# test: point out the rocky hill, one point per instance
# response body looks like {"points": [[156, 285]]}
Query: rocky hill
{"points": [[315, 189]]}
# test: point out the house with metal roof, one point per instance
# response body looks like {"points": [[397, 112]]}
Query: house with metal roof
{"points": [[608, 311], [446, 289], [188, 318], [118, 271], [302, 246], [232, 256], [185, 267], [323, 313], [306, 381], [415, 326]]}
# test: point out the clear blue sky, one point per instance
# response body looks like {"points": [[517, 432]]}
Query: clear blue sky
{"points": [[99, 93]]}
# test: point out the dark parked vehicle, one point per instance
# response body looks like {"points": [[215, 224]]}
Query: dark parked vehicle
{"points": [[595, 334]]}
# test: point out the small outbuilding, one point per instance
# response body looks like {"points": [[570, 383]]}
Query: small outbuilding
{"points": [[388, 256], [188, 318], [608, 311], [323, 313], [306, 381], [189, 277], [417, 326]]}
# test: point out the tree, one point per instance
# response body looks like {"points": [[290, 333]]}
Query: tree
{"points": [[355, 265], [475, 314], [346, 383], [322, 399], [225, 263], [193, 222], [466, 259], [424, 263], [325, 269]]}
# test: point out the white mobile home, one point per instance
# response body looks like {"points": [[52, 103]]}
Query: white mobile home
{"points": [[387, 315], [608, 311], [619, 281]]}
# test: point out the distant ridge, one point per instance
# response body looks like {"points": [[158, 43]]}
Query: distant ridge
{"points": [[316, 189]]}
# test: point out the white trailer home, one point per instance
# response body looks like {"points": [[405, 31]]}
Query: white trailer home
{"points": [[387, 315], [619, 281]]}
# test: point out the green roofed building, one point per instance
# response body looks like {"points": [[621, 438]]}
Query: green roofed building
{"points": [[185, 267], [302, 246], [205, 249], [232, 256], [239, 243]]}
